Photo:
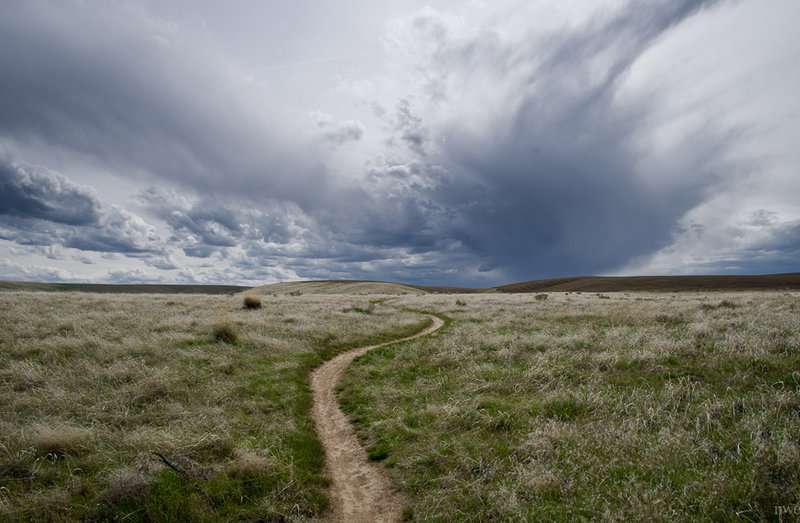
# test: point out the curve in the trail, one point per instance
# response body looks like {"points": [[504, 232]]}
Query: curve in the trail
{"points": [[359, 492]]}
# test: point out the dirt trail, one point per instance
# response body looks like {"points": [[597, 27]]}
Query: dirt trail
{"points": [[360, 492]]}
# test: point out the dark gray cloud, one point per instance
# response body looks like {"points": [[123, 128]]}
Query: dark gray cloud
{"points": [[551, 183], [29, 191], [42, 207], [109, 81]]}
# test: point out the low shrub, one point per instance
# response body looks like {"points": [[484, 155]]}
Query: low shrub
{"points": [[252, 301], [369, 309], [225, 329]]}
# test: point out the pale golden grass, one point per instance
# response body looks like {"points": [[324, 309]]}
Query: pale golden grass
{"points": [[61, 438], [621, 407], [634, 407], [248, 463], [91, 385]]}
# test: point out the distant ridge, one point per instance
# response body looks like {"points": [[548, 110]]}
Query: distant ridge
{"points": [[453, 290], [6, 285], [339, 287], [790, 281], [766, 282]]}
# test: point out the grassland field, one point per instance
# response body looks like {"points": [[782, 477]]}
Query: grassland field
{"points": [[524, 407]]}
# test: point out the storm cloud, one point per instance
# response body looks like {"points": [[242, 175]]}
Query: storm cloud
{"points": [[562, 188], [110, 81], [28, 191], [42, 207], [548, 180], [444, 144]]}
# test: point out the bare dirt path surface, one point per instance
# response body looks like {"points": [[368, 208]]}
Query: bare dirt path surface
{"points": [[360, 492]]}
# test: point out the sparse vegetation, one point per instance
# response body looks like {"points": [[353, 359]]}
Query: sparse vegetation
{"points": [[724, 304], [252, 301], [225, 330], [667, 407], [369, 309], [621, 407], [92, 385]]}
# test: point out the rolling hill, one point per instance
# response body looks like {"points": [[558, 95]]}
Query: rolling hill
{"points": [[767, 282], [658, 283], [338, 287]]}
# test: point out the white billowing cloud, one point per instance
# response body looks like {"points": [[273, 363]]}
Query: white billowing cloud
{"points": [[29, 272], [751, 243]]}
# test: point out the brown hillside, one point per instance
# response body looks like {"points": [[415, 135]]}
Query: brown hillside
{"points": [[658, 283], [450, 290], [337, 287], [767, 282]]}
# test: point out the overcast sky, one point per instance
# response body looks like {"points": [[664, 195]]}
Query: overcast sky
{"points": [[451, 142]]}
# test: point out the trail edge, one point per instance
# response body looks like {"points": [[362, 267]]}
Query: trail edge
{"points": [[360, 492]]}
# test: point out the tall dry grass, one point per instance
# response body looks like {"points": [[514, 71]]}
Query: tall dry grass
{"points": [[621, 406], [626, 407], [91, 386]]}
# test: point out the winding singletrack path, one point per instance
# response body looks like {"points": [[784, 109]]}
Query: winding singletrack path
{"points": [[360, 492]]}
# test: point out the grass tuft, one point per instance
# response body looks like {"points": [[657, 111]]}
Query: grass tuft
{"points": [[61, 439], [127, 489], [225, 329], [378, 453], [369, 309], [252, 301]]}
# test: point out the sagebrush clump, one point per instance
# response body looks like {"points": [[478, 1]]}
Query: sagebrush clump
{"points": [[225, 329], [252, 301]]}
